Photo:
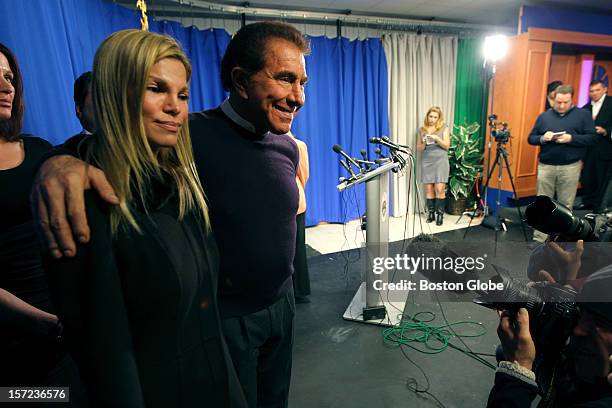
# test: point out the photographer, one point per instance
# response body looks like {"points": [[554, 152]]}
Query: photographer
{"points": [[581, 376]]}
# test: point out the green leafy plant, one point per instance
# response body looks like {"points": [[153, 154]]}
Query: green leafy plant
{"points": [[465, 159]]}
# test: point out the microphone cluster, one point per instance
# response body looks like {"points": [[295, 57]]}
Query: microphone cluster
{"points": [[365, 165]]}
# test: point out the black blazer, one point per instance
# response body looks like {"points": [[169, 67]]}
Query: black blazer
{"points": [[603, 119], [140, 313]]}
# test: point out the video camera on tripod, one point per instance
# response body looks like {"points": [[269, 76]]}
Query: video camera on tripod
{"points": [[499, 130]]}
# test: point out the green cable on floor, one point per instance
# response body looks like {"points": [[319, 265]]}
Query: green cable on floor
{"points": [[413, 331]]}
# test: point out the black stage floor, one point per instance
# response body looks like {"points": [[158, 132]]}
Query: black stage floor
{"points": [[338, 363]]}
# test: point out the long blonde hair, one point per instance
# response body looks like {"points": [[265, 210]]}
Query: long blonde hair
{"points": [[120, 147], [439, 124]]}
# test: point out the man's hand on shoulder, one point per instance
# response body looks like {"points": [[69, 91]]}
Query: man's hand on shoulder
{"points": [[58, 205]]}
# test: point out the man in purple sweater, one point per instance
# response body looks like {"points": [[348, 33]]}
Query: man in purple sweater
{"points": [[247, 164]]}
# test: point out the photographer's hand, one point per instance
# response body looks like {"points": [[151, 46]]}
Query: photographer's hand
{"points": [[516, 339], [571, 259]]}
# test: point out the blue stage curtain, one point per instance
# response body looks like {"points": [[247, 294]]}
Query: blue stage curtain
{"points": [[346, 103], [205, 49], [55, 42]]}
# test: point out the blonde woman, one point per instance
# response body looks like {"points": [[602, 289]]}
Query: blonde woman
{"points": [[138, 301], [434, 141]]}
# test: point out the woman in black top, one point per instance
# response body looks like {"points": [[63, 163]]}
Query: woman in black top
{"points": [[30, 354], [138, 301]]}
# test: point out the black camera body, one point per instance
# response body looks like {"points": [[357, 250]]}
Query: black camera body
{"points": [[552, 307], [553, 218], [499, 130], [553, 312]]}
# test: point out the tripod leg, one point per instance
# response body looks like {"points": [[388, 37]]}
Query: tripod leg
{"points": [[518, 207], [499, 222], [484, 194]]}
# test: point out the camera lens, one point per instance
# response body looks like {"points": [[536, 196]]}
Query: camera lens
{"points": [[551, 217]]}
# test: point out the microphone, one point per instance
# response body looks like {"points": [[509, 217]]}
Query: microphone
{"points": [[386, 139], [365, 161], [336, 148], [398, 158], [402, 148], [386, 142], [395, 158], [379, 153], [347, 167]]}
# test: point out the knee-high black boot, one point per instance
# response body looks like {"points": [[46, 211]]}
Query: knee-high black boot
{"points": [[431, 208], [440, 210]]}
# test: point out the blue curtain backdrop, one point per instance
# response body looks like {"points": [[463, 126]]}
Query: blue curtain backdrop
{"points": [[55, 41], [346, 103]]}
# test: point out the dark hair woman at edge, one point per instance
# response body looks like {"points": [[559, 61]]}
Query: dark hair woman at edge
{"points": [[30, 352]]}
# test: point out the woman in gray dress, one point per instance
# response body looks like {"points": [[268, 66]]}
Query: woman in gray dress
{"points": [[434, 141]]}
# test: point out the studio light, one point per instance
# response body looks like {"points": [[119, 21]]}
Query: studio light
{"points": [[495, 47]]}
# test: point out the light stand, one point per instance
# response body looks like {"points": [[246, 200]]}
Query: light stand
{"points": [[495, 48], [489, 86]]}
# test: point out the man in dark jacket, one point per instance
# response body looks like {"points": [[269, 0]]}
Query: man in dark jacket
{"points": [[562, 133], [597, 170], [585, 379]]}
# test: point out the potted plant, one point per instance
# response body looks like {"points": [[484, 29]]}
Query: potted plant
{"points": [[465, 160]]}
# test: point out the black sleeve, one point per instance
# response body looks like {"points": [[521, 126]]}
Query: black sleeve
{"points": [[510, 392], [88, 295], [587, 135], [70, 148]]}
